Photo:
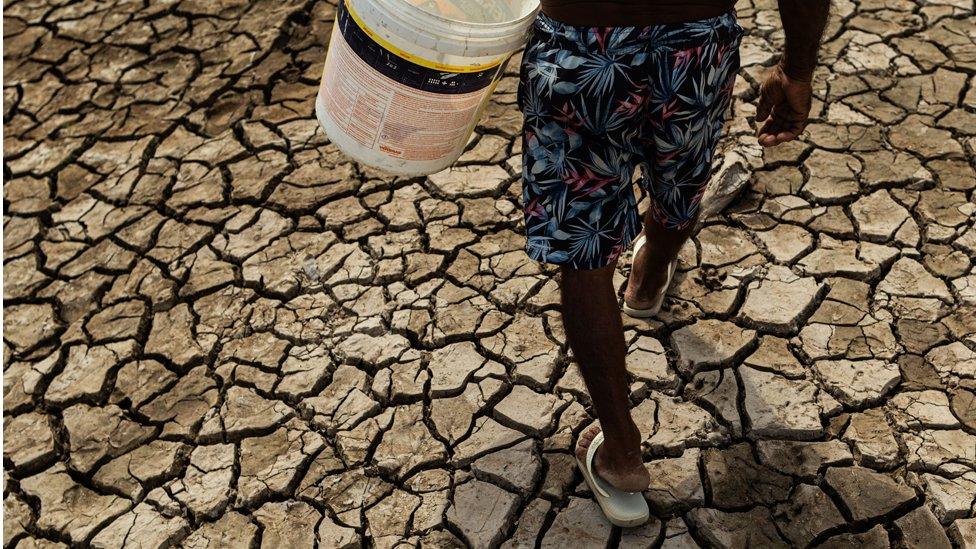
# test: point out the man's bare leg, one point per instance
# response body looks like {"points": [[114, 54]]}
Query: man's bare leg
{"points": [[591, 317], [648, 272]]}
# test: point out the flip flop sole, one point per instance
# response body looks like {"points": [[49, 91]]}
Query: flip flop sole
{"points": [[630, 508], [640, 313]]}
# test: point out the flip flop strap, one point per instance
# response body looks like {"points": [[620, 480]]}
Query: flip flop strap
{"points": [[671, 265], [590, 454], [638, 242], [667, 282]]}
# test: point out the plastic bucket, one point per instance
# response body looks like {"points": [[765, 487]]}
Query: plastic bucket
{"points": [[405, 81]]}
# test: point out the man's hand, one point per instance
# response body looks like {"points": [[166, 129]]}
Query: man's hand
{"points": [[784, 105], [785, 96]]}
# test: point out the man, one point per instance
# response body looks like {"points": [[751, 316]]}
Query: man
{"points": [[607, 87]]}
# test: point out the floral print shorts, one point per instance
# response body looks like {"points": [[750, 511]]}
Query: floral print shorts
{"points": [[598, 102]]}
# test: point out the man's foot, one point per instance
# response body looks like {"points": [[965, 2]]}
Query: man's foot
{"points": [[624, 472], [648, 275]]}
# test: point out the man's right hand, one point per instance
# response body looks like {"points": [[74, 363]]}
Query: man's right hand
{"points": [[784, 105]]}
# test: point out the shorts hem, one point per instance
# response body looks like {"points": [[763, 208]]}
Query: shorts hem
{"points": [[597, 263]]}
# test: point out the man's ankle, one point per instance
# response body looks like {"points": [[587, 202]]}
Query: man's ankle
{"points": [[647, 282], [624, 444]]}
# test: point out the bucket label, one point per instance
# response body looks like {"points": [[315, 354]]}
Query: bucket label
{"points": [[417, 73], [385, 110]]}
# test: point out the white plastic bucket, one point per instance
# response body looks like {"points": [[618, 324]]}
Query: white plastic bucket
{"points": [[405, 81]]}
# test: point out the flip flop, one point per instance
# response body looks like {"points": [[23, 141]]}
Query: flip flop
{"points": [[621, 508], [659, 300]]}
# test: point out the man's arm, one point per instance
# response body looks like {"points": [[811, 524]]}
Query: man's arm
{"points": [[803, 23], [786, 94]]}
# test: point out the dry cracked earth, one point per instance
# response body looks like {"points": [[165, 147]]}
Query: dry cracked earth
{"points": [[219, 332]]}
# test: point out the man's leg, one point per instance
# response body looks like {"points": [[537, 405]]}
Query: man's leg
{"points": [[685, 136], [591, 317], [648, 272]]}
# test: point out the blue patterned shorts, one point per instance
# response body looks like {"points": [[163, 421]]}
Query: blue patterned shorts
{"points": [[600, 101]]}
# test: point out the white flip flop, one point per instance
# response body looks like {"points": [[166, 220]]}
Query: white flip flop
{"points": [[659, 300], [621, 508]]}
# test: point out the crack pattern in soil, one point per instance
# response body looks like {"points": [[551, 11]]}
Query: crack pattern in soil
{"points": [[220, 332]]}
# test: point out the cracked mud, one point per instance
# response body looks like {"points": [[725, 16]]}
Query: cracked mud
{"points": [[219, 332]]}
